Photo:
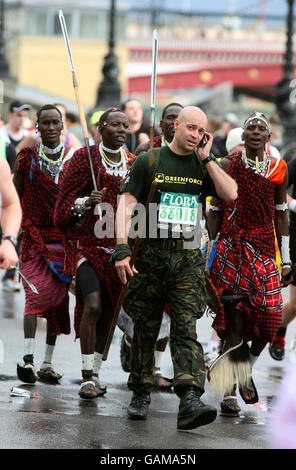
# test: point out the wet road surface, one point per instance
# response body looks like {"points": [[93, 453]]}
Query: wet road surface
{"points": [[58, 419]]}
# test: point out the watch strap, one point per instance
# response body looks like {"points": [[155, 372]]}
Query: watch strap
{"points": [[12, 239], [210, 158]]}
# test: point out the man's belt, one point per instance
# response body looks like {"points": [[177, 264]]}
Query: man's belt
{"points": [[234, 298], [165, 243]]}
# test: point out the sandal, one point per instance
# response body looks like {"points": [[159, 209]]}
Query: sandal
{"points": [[229, 405], [48, 375], [99, 384], [27, 373], [250, 387], [162, 383], [89, 390]]}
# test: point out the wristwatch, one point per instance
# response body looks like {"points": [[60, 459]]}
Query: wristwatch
{"points": [[208, 159], [13, 240]]}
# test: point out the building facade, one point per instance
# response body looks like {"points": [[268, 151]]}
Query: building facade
{"points": [[37, 54]]}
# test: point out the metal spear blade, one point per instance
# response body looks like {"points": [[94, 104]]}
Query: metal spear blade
{"points": [[32, 287], [66, 38]]}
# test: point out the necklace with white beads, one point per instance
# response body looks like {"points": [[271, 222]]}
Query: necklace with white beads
{"points": [[259, 167], [114, 168]]}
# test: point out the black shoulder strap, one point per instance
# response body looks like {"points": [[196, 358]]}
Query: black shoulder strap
{"points": [[203, 167], [152, 164]]}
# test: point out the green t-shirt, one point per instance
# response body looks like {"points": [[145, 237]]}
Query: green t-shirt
{"points": [[182, 185]]}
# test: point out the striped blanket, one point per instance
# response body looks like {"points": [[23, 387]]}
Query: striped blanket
{"points": [[46, 273]]}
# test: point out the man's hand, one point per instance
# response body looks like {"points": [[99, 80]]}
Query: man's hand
{"points": [[8, 255], [96, 197], [205, 151], [124, 270], [285, 281]]}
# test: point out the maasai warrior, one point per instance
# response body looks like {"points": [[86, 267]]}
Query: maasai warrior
{"points": [[39, 171], [169, 115], [97, 285], [245, 261], [167, 270]]}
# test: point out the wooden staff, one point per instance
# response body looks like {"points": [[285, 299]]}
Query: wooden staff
{"points": [[214, 300], [78, 101], [153, 86], [132, 261]]}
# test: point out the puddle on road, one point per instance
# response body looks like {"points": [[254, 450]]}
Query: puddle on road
{"points": [[258, 414], [5, 378], [67, 407]]}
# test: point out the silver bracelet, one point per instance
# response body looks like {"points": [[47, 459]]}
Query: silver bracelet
{"points": [[214, 208], [287, 265], [79, 207], [281, 207]]}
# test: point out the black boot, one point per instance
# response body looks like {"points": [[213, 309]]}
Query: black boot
{"points": [[138, 407], [27, 372], [193, 412]]}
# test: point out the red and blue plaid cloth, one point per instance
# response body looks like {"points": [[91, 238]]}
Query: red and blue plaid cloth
{"points": [[256, 275]]}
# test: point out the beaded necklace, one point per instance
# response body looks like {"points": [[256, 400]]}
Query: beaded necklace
{"points": [[114, 168], [259, 167], [49, 151], [54, 167]]}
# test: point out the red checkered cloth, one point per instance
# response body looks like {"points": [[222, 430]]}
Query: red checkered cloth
{"points": [[157, 141], [42, 252], [251, 217], [256, 275], [245, 257], [78, 183]]}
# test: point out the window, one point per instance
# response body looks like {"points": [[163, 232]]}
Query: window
{"points": [[35, 23], [89, 26], [57, 30]]}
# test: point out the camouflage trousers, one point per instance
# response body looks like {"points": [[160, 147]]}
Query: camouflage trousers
{"points": [[173, 277]]}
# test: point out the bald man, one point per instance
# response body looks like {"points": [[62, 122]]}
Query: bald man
{"points": [[168, 265]]}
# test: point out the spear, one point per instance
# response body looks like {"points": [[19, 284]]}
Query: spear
{"points": [[79, 104], [153, 86], [132, 262]]}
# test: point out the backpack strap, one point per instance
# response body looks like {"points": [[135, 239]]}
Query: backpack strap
{"points": [[152, 164], [203, 167]]}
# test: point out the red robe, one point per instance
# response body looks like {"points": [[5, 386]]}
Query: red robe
{"points": [[42, 252], [78, 183], [244, 262]]}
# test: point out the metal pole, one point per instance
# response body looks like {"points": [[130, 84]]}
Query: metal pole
{"points": [[4, 66], [109, 90], [286, 105]]}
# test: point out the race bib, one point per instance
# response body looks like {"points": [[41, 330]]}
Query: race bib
{"points": [[178, 209]]}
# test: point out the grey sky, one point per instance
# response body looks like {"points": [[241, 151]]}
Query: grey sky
{"points": [[273, 7]]}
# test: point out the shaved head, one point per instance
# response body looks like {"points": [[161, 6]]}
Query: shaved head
{"points": [[190, 127], [192, 112]]}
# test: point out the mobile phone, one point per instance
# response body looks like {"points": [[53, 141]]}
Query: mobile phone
{"points": [[203, 141]]}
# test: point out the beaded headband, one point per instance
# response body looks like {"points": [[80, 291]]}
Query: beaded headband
{"points": [[113, 110], [258, 116]]}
